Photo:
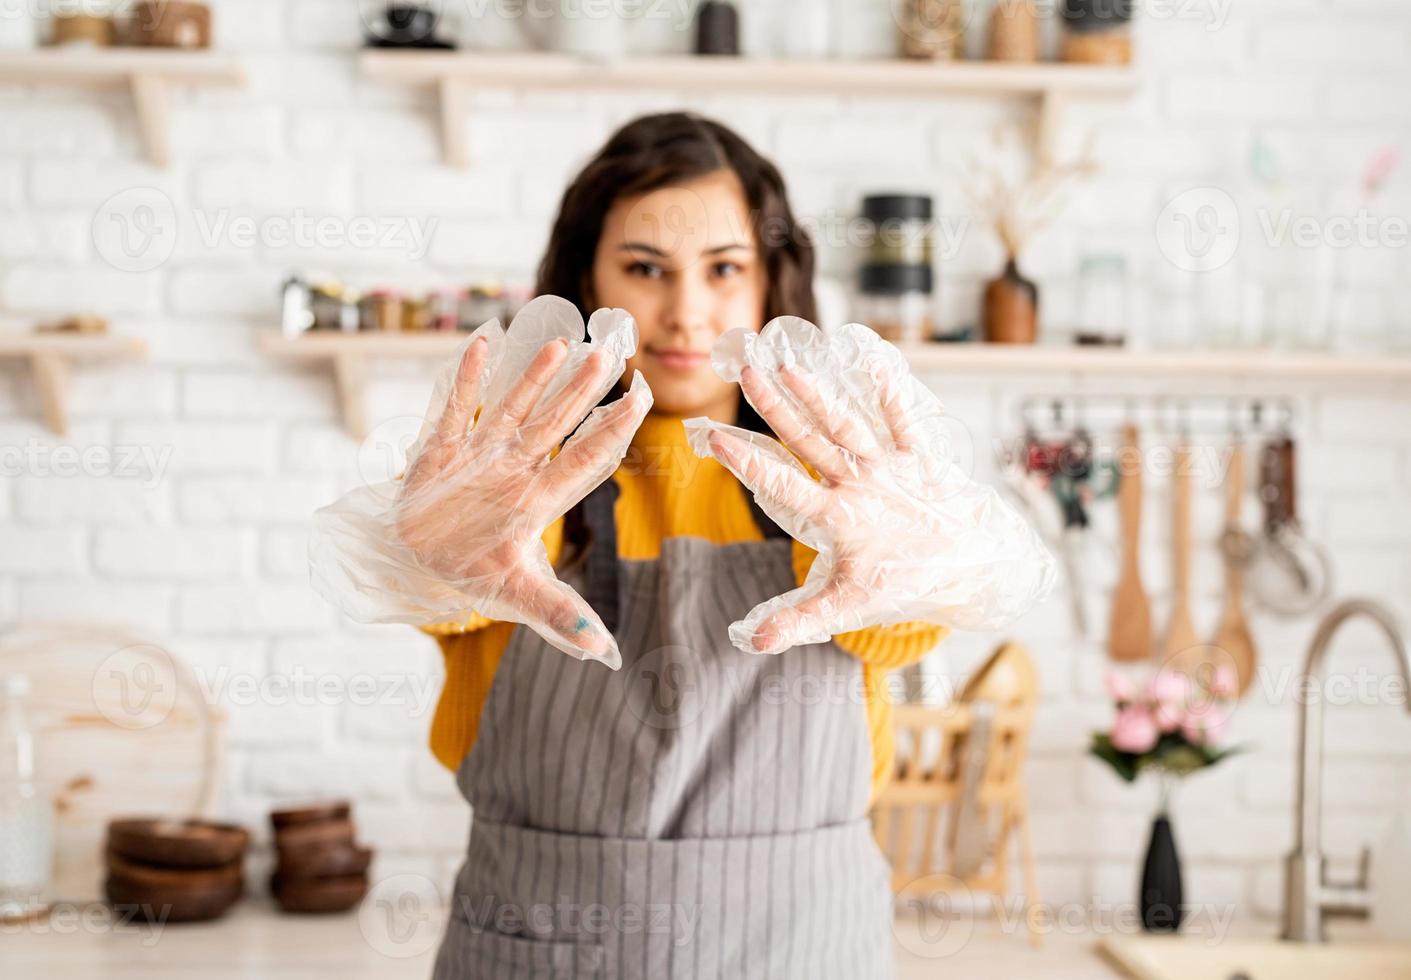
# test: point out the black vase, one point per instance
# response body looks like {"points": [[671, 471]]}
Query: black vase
{"points": [[1161, 900]]}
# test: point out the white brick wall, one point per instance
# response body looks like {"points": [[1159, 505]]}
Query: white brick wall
{"points": [[201, 541]]}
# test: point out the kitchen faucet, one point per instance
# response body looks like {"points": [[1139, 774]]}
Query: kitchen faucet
{"points": [[1309, 898]]}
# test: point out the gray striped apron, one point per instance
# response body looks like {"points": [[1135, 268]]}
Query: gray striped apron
{"points": [[700, 813]]}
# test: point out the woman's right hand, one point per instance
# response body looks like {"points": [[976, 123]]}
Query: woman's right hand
{"points": [[479, 495], [462, 533]]}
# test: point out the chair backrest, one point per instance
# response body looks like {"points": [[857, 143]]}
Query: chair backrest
{"points": [[917, 811]]}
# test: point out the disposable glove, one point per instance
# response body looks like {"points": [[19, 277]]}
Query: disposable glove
{"points": [[462, 532], [902, 533]]}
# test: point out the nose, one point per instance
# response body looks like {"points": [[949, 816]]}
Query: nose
{"points": [[688, 307]]}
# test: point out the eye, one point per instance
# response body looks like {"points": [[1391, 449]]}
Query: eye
{"points": [[644, 269], [725, 269]]}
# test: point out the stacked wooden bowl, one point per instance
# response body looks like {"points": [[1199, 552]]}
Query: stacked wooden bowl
{"points": [[321, 868], [174, 870]]}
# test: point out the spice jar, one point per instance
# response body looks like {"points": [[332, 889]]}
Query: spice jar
{"points": [[386, 308], [481, 304], [445, 309], [326, 302], [416, 315], [717, 28], [1014, 32], [1102, 301], [1097, 32], [932, 30]]}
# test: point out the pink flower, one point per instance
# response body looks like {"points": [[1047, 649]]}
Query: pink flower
{"points": [[1168, 687], [1119, 687], [1169, 715], [1135, 730], [1205, 728], [1224, 683]]}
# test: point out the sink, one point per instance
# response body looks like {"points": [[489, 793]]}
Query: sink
{"points": [[1194, 958]]}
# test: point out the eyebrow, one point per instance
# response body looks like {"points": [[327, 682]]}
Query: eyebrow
{"points": [[654, 251]]}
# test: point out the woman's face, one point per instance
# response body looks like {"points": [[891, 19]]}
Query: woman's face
{"points": [[683, 261]]}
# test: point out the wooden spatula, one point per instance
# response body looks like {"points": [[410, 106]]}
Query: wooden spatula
{"points": [[1233, 642], [1129, 634], [1180, 645]]}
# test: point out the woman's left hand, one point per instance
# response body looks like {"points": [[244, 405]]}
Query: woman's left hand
{"points": [[901, 531]]}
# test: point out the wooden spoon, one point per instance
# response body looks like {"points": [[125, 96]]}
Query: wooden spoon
{"points": [[1233, 642], [1129, 633], [1181, 644]]}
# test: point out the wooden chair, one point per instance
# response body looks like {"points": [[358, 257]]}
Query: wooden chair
{"points": [[916, 817]]}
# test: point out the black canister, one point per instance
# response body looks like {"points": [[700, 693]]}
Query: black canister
{"points": [[895, 280], [717, 28]]}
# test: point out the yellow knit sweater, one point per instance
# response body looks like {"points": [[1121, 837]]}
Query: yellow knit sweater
{"points": [[667, 492]]}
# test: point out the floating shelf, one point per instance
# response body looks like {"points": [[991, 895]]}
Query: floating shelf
{"points": [[50, 357], [149, 73], [1267, 365], [453, 73], [350, 354]]}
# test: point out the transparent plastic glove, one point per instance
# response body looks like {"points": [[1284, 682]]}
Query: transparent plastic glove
{"points": [[902, 533], [461, 533]]}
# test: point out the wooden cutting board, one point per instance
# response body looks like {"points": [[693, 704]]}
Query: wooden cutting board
{"points": [[121, 730]]}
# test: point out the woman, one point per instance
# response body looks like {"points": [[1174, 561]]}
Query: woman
{"points": [[695, 812]]}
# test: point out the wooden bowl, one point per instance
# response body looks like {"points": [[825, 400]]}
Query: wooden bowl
{"points": [[324, 860], [318, 895], [159, 895], [321, 833], [174, 879], [178, 843], [311, 813]]}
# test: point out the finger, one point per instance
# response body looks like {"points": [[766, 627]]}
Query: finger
{"points": [[796, 433], [559, 614], [465, 390], [524, 394], [569, 406], [827, 612], [766, 475], [836, 423], [596, 448], [895, 411]]}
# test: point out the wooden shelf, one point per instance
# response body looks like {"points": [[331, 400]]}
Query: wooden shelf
{"points": [[149, 74], [350, 354], [453, 73], [50, 357], [1266, 365]]}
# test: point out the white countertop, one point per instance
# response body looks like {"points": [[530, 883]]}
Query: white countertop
{"points": [[256, 942]]}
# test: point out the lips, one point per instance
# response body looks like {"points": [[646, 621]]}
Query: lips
{"points": [[680, 360]]}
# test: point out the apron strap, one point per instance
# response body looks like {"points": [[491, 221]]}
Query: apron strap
{"points": [[600, 562]]}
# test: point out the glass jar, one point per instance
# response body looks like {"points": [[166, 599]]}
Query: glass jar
{"points": [[1097, 32], [932, 30], [26, 842], [1102, 301], [901, 317]]}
